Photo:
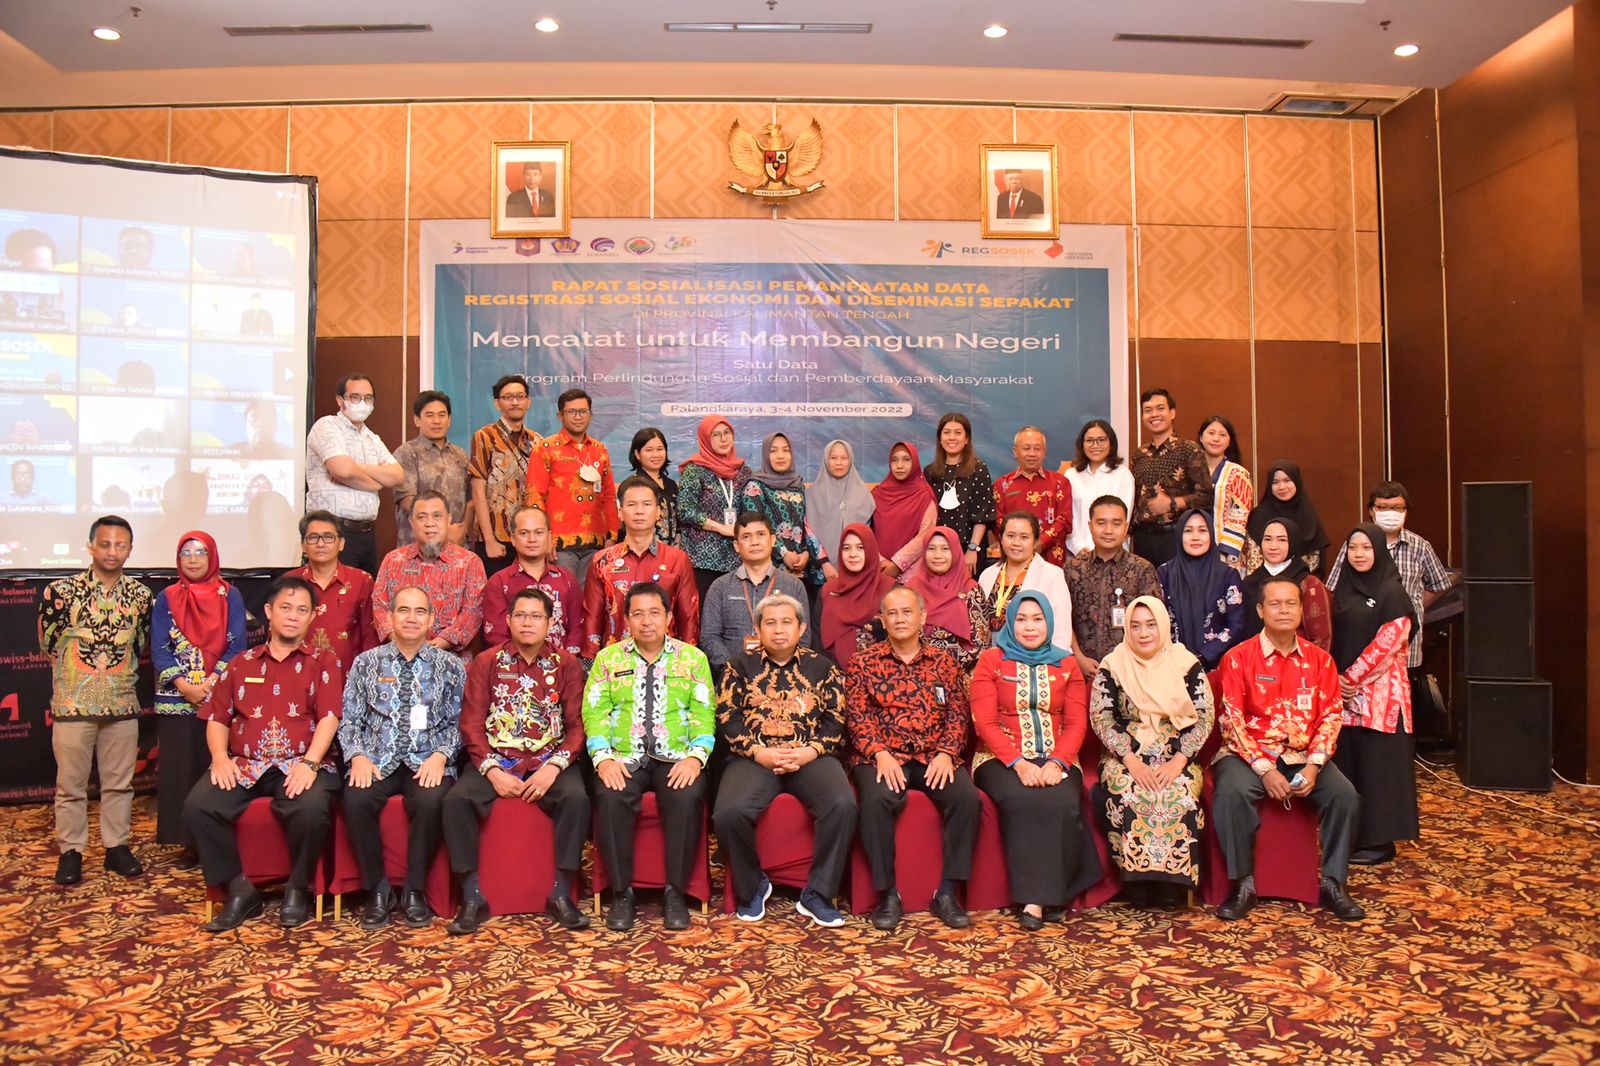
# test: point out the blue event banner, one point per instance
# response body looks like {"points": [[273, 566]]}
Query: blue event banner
{"points": [[818, 337]]}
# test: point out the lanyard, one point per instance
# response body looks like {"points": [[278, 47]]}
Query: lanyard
{"points": [[1003, 592], [727, 490], [744, 587]]}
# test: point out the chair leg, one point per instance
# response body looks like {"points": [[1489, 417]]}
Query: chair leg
{"points": [[338, 905], [208, 908], [597, 904], [705, 907], [319, 906]]}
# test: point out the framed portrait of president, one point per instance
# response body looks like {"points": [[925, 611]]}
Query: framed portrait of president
{"points": [[530, 188], [1019, 191]]}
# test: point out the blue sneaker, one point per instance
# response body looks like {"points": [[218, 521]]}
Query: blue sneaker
{"points": [[819, 909], [756, 909]]}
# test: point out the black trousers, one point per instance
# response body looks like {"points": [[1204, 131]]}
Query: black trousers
{"points": [[360, 551], [183, 759], [959, 810], [748, 788], [210, 813], [1048, 857], [1155, 541], [682, 812], [1233, 809], [363, 809], [472, 796]]}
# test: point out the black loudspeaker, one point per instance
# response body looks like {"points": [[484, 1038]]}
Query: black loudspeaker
{"points": [[1505, 734], [1498, 629], [1497, 530]]}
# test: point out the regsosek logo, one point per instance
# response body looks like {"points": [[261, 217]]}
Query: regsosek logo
{"points": [[936, 249]]}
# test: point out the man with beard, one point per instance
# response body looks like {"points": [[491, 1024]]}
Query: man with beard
{"points": [[450, 575]]}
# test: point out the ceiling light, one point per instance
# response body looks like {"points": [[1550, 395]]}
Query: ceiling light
{"points": [[547, 25], [106, 33], [994, 31], [1405, 51]]}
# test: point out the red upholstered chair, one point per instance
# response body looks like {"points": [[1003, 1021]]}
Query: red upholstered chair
{"points": [[918, 859], [650, 859], [264, 854], [1288, 860], [1110, 882], [989, 888], [785, 838], [345, 872], [516, 859]]}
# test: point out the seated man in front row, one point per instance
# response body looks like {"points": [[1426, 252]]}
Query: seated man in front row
{"points": [[781, 710], [522, 724], [1280, 721], [906, 709], [649, 717], [270, 723], [402, 702]]}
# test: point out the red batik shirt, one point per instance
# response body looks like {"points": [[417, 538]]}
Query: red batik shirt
{"points": [[519, 715], [1277, 706], [272, 707], [1047, 496], [617, 569], [566, 624], [342, 625], [582, 513], [454, 584], [913, 710]]}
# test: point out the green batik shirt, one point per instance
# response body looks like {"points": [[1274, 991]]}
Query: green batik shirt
{"points": [[634, 710], [92, 637]]}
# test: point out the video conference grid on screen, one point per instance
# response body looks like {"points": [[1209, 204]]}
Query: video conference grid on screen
{"points": [[153, 358]]}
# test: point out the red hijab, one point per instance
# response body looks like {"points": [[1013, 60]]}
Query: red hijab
{"points": [[200, 608], [901, 504], [945, 594], [850, 601], [724, 466]]}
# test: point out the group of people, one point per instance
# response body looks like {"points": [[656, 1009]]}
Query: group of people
{"points": [[729, 634]]}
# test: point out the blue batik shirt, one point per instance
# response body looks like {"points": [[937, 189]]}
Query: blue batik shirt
{"points": [[381, 690]]}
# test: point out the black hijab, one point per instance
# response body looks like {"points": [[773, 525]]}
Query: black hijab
{"points": [[1294, 569], [1306, 534], [1364, 603], [1194, 583]]}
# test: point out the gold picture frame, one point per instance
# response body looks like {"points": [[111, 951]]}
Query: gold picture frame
{"points": [[1031, 214], [521, 170]]}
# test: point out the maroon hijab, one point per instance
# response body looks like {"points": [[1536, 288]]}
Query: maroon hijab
{"points": [[900, 505], [850, 601], [946, 594]]}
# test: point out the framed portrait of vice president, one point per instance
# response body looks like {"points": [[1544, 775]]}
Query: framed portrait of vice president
{"points": [[530, 189], [1019, 191]]}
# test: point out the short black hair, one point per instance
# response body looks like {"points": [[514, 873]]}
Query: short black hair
{"points": [[1279, 579], [518, 513], [646, 588], [23, 241], [1021, 516], [642, 438], [109, 520], [320, 516], [427, 396], [751, 518], [532, 166], [1080, 461], [508, 379], [1231, 452], [573, 396], [1385, 490], [289, 584], [1109, 500], [348, 378], [430, 494], [1149, 394], [639, 481], [533, 592]]}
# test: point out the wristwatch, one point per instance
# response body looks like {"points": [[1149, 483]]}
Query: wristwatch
{"points": [[314, 764]]}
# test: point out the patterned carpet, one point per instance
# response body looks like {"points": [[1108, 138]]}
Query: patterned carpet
{"points": [[1482, 945]]}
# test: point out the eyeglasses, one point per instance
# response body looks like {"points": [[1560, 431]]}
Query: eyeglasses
{"points": [[194, 553], [1392, 508], [529, 616], [1097, 440], [321, 538], [357, 397]]}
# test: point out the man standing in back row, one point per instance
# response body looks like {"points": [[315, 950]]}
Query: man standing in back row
{"points": [[569, 475], [347, 466], [1170, 477], [498, 465]]}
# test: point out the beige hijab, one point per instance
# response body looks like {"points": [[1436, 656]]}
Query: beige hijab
{"points": [[1155, 686]]}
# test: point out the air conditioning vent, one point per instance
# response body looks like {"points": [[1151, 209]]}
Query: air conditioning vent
{"points": [[768, 27], [331, 29], [1324, 106], [1229, 42]]}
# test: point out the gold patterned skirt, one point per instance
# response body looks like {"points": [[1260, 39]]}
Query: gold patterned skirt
{"points": [[1154, 834]]}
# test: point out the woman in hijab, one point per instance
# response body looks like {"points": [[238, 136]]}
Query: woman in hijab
{"points": [[1373, 624], [711, 484], [1285, 497], [1028, 708], [1151, 707], [648, 457], [958, 618], [851, 600], [779, 492], [197, 624], [904, 511], [1202, 592], [838, 497], [1316, 616]]}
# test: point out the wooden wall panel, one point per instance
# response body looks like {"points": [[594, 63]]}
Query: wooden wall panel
{"points": [[1373, 418], [1297, 282], [940, 156], [1093, 153], [358, 155], [1364, 173], [450, 156], [1299, 173], [1307, 396], [26, 129], [1194, 281], [857, 160], [1206, 377], [691, 160], [127, 133], [611, 153], [1189, 169], [1368, 325], [243, 138], [359, 288]]}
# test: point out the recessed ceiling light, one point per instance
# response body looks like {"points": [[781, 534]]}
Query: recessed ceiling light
{"points": [[1407, 50], [547, 25], [106, 33], [994, 31]]}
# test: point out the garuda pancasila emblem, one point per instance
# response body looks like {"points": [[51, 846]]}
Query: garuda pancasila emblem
{"points": [[775, 161]]}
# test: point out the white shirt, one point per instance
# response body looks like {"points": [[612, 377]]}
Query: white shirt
{"points": [[1050, 581], [1088, 486], [336, 435]]}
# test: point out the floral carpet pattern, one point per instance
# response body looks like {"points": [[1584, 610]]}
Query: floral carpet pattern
{"points": [[1481, 945]]}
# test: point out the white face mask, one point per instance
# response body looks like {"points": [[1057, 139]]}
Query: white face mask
{"points": [[1389, 521], [357, 412]]}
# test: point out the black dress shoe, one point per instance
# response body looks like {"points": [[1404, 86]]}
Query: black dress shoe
{"points": [[119, 860], [375, 915], [565, 913], [1055, 914], [1239, 904], [470, 915], [1344, 908], [187, 859], [1031, 922], [1171, 897], [887, 914], [619, 918], [415, 906], [950, 911], [295, 909], [69, 868], [1376, 856], [674, 910], [237, 911]]}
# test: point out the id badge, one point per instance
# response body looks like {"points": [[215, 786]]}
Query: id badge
{"points": [[419, 717], [1119, 616], [938, 695], [1302, 701], [752, 643], [729, 516]]}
